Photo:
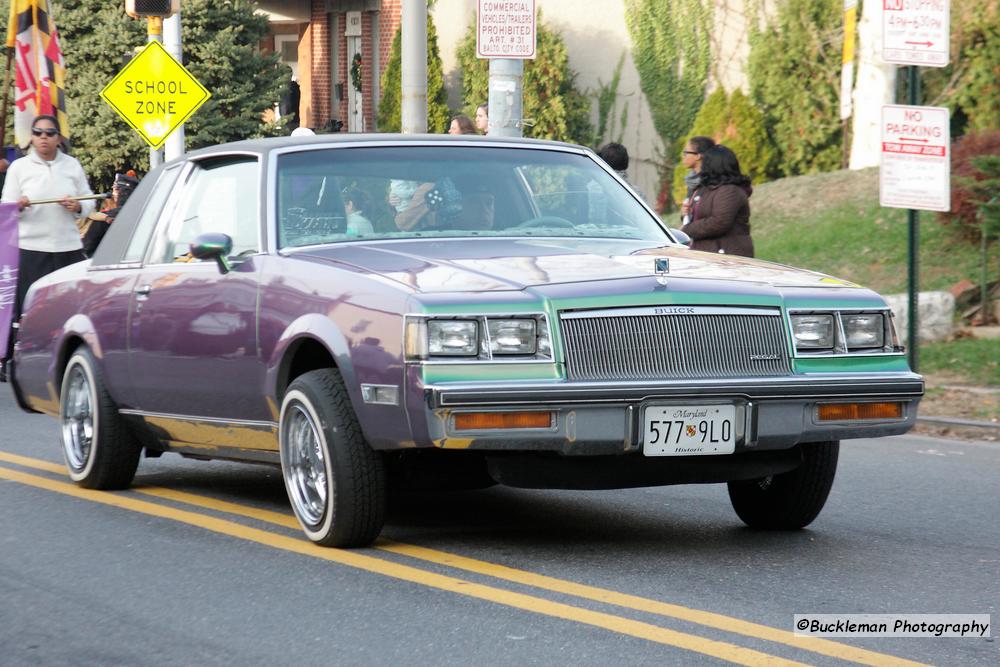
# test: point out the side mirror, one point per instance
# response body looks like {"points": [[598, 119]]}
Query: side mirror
{"points": [[214, 246], [681, 237]]}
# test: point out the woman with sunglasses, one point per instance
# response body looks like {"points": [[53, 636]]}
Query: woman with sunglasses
{"points": [[691, 158], [48, 237]]}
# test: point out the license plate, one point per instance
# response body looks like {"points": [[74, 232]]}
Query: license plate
{"points": [[688, 430]]}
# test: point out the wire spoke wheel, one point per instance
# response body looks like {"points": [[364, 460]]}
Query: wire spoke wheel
{"points": [[334, 479]]}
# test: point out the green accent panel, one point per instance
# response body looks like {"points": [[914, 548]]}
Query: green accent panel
{"points": [[487, 372], [852, 365]]}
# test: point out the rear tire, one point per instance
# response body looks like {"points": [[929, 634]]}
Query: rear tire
{"points": [[335, 481], [793, 499], [98, 450]]}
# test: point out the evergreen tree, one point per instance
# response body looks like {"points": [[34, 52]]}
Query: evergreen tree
{"points": [[969, 84], [550, 99], [794, 71], [220, 42], [735, 122], [390, 118]]}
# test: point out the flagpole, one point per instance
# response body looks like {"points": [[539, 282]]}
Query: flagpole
{"points": [[6, 97]]}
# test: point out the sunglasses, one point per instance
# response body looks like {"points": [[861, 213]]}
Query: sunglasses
{"points": [[48, 132], [691, 153]]}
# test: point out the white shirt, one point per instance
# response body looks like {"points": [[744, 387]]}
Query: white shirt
{"points": [[47, 227]]}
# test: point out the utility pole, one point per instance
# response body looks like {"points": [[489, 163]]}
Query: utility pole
{"points": [[505, 101], [414, 66], [154, 33], [174, 146]]}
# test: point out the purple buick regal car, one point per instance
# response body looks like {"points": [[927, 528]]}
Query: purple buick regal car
{"points": [[448, 311]]}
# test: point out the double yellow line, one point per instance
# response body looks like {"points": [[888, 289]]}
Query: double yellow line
{"points": [[539, 605]]}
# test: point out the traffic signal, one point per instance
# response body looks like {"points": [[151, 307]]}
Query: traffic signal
{"points": [[148, 8]]}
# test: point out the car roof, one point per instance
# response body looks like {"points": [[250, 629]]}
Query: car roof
{"points": [[264, 146]]}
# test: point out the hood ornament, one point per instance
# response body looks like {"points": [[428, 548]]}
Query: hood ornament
{"points": [[661, 266]]}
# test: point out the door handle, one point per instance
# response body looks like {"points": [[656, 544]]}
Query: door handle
{"points": [[142, 292]]}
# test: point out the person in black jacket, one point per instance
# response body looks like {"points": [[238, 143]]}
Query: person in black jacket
{"points": [[123, 187]]}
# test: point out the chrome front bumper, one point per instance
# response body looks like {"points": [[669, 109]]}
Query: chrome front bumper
{"points": [[605, 418]]}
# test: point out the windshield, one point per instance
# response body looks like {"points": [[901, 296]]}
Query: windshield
{"points": [[344, 194]]}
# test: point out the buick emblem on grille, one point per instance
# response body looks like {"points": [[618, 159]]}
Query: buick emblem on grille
{"points": [[661, 265], [764, 357]]}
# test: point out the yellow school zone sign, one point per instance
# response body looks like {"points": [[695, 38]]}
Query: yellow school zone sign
{"points": [[155, 94]]}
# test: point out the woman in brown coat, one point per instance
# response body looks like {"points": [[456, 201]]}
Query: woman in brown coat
{"points": [[720, 207]]}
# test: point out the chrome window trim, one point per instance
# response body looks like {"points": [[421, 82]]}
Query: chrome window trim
{"points": [[480, 318], [841, 342], [180, 189]]}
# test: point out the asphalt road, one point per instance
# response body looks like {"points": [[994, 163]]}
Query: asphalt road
{"points": [[201, 564]]}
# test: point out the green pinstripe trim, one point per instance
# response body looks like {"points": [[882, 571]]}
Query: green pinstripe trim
{"points": [[852, 365]]}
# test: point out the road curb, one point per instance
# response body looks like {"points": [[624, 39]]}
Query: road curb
{"points": [[952, 421]]}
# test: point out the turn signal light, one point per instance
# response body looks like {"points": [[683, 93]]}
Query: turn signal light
{"points": [[478, 421], [838, 412]]}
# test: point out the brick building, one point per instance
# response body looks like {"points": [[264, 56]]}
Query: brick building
{"points": [[318, 39]]}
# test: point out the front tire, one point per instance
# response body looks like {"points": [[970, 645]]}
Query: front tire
{"points": [[335, 481], [793, 499], [97, 448]]}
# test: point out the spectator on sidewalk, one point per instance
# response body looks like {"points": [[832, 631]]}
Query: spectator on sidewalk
{"points": [[691, 157], [461, 124], [616, 157], [483, 118], [720, 206], [98, 222]]}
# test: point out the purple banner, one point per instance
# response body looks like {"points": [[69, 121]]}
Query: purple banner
{"points": [[8, 270]]}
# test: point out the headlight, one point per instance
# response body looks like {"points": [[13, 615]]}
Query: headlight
{"points": [[456, 338], [512, 336], [864, 330], [813, 332]]}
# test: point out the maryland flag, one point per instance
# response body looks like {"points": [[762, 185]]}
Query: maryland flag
{"points": [[40, 81]]}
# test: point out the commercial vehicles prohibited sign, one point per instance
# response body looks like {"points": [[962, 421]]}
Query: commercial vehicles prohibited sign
{"points": [[915, 32], [505, 29], [154, 94], [916, 158]]}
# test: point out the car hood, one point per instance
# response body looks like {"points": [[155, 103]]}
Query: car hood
{"points": [[458, 265]]}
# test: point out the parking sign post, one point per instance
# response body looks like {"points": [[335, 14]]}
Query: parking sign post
{"points": [[914, 34]]}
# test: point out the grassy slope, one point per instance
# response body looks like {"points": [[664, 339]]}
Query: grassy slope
{"points": [[833, 223]]}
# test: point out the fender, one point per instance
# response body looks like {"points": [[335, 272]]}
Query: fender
{"points": [[78, 326], [319, 328]]}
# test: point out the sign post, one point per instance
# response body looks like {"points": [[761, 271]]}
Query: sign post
{"points": [[847, 59], [915, 34], [505, 33], [155, 94]]}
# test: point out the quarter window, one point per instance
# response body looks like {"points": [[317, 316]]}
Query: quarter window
{"points": [[219, 197]]}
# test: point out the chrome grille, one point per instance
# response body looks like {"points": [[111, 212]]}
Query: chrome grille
{"points": [[674, 342]]}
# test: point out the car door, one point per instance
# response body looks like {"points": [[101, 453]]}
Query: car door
{"points": [[193, 351]]}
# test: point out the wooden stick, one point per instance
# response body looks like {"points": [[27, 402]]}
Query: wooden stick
{"points": [[100, 195]]}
